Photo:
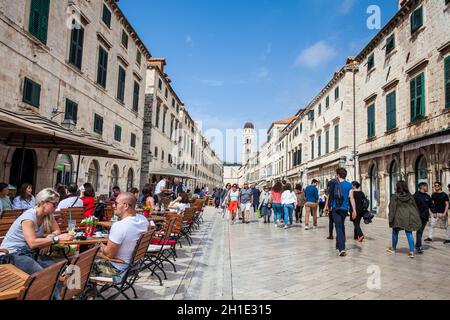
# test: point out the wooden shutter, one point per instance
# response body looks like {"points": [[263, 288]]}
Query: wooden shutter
{"points": [[371, 121], [76, 47], [38, 24], [102, 67], [336, 137], [391, 111], [136, 97], [447, 82]]}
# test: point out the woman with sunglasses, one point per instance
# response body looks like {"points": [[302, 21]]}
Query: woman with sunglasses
{"points": [[31, 235], [233, 200]]}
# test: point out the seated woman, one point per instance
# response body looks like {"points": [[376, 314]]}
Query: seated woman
{"points": [[25, 199], [87, 194], [31, 235], [180, 204]]}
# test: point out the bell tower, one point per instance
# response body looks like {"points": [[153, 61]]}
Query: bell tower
{"points": [[249, 139]]}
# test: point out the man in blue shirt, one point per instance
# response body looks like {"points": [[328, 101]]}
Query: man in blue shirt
{"points": [[312, 202], [340, 205]]}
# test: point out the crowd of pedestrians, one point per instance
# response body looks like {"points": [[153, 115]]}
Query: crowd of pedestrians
{"points": [[283, 205]]}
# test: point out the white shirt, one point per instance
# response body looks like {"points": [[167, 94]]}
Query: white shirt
{"points": [[70, 203], [126, 233], [161, 185], [288, 197]]}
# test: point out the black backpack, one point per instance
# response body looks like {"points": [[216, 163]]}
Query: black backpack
{"points": [[338, 193], [365, 203]]}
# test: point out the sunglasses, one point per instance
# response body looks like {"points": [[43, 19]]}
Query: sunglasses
{"points": [[55, 204]]}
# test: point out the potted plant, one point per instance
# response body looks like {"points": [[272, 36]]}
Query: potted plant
{"points": [[90, 224], [148, 210]]}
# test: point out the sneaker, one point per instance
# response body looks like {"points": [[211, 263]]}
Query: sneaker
{"points": [[342, 253], [429, 240], [411, 255], [306, 228], [276, 226], [330, 238], [390, 250], [446, 241], [285, 227], [419, 250], [361, 239]]}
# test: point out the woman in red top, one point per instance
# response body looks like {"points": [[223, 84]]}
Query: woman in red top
{"points": [[88, 197]]}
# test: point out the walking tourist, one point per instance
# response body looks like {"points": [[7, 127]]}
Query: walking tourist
{"points": [[265, 205], [123, 237], [312, 202], [72, 200], [256, 195], [25, 199], [232, 201], [328, 210], [26, 240], [277, 207], [441, 205], [340, 205], [288, 200], [87, 194], [357, 198], [246, 203], [322, 201], [403, 215], [425, 205], [5, 201], [301, 200], [223, 199]]}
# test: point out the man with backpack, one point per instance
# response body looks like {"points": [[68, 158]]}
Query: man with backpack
{"points": [[426, 207], [340, 206]]}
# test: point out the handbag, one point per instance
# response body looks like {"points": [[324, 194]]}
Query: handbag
{"points": [[258, 214]]}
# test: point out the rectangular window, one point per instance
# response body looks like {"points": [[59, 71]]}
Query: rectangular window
{"points": [[320, 109], [121, 84], [158, 111], [311, 115], [136, 97], [327, 102], [71, 111], [327, 142], [124, 39], [160, 84], [38, 26], [166, 94], [164, 121], [371, 62], [447, 81], [31, 93], [173, 103], [102, 69], [117, 133], [371, 121], [418, 97], [98, 124], [133, 140], [312, 148], [416, 19], [336, 93], [319, 145], [391, 110], [76, 47], [390, 44], [106, 16], [138, 57], [336, 137], [178, 107]]}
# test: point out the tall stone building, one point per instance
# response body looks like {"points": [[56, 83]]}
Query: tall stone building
{"points": [[73, 83]]}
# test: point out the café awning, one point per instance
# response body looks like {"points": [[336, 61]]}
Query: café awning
{"points": [[172, 172], [31, 130]]}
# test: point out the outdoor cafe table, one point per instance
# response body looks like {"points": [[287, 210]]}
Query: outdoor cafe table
{"points": [[12, 281], [89, 241]]}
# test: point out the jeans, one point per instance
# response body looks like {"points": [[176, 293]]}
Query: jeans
{"points": [[298, 213], [30, 262], [409, 235], [277, 212], [419, 234], [330, 224], [339, 221], [288, 213], [357, 224]]}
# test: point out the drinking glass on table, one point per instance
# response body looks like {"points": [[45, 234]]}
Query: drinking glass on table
{"points": [[72, 226]]}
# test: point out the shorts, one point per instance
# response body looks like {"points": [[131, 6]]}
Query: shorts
{"points": [[104, 268], [246, 206], [233, 206]]}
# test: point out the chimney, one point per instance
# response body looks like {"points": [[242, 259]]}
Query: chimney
{"points": [[157, 62]]}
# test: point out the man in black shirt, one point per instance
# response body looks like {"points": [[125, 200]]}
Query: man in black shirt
{"points": [[425, 205], [441, 204]]}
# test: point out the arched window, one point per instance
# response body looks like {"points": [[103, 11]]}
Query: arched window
{"points": [[114, 177], [394, 176], [93, 174], [63, 169], [130, 179], [421, 171], [374, 188]]}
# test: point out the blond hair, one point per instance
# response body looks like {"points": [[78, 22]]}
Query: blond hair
{"points": [[46, 195]]}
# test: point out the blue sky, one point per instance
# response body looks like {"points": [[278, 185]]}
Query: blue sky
{"points": [[233, 61]]}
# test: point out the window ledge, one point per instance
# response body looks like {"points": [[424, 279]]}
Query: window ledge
{"points": [[446, 110], [99, 86], [369, 72], [391, 131], [371, 139], [74, 69], [390, 54], [416, 33], [120, 101], [417, 121]]}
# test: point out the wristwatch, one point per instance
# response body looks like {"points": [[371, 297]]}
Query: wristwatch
{"points": [[55, 239]]}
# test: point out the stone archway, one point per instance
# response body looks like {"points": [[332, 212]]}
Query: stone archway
{"points": [[23, 167]]}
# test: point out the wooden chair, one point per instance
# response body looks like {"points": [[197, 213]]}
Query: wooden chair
{"points": [[41, 285], [11, 214], [5, 225], [64, 217], [130, 275], [109, 212], [80, 266]]}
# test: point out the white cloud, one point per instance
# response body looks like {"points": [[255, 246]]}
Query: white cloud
{"points": [[346, 6], [316, 55], [189, 41], [263, 73]]}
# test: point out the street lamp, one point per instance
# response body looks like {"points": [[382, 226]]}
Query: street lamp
{"points": [[342, 162]]}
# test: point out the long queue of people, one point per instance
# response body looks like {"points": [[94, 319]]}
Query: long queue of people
{"points": [[341, 199]]}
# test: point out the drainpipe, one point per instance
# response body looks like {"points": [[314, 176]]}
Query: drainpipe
{"points": [[354, 127]]}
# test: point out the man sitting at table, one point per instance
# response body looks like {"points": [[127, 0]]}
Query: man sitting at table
{"points": [[31, 235], [123, 237], [72, 200]]}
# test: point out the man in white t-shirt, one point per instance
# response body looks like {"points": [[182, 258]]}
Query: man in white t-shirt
{"points": [[159, 189], [72, 200], [122, 237]]}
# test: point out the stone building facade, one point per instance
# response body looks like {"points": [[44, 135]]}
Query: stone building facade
{"points": [[77, 65]]}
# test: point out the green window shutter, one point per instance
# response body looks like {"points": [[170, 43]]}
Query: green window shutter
{"points": [[117, 133], [102, 67], [391, 111], [38, 24], [136, 90], [71, 111], [418, 97], [416, 19], [413, 98], [336, 137], [133, 140], [371, 121], [76, 47], [327, 142], [327, 102], [31, 93], [158, 111], [121, 84], [319, 146], [447, 82], [312, 148]]}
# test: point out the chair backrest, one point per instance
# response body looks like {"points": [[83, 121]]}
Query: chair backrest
{"points": [[109, 212], [168, 228], [5, 225], [178, 222], [13, 214], [142, 247], [41, 285], [77, 274], [77, 215]]}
